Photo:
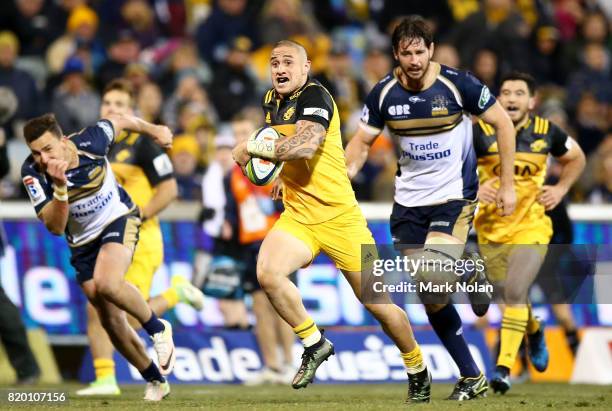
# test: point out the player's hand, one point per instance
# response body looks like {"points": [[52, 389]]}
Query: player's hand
{"points": [[551, 196], [277, 190], [240, 154], [487, 193], [505, 200], [226, 231], [163, 136], [57, 170]]}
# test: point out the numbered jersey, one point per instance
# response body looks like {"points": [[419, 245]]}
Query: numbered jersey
{"points": [[534, 142], [95, 199], [139, 165], [437, 161], [318, 189]]}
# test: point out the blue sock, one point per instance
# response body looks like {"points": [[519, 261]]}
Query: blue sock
{"points": [[151, 373], [446, 323], [153, 326]]}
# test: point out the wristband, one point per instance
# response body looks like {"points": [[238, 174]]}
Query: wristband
{"points": [[60, 193], [60, 196], [263, 149]]}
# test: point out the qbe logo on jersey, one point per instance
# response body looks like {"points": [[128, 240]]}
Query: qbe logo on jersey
{"points": [[35, 190]]}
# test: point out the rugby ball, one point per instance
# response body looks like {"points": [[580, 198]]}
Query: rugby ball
{"points": [[259, 171]]}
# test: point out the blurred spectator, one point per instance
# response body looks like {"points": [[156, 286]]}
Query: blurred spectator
{"points": [[602, 165], [228, 20], [20, 82], [205, 133], [184, 154], [74, 104], [148, 102], [281, 19], [35, 22], [123, 49], [376, 65], [437, 12], [486, 68], [593, 29], [233, 84], [546, 59], [138, 75], [342, 83], [445, 53], [497, 26], [139, 17], [568, 15], [188, 90], [81, 29], [595, 76], [591, 122], [184, 60]]}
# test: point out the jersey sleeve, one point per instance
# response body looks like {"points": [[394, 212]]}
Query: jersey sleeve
{"points": [[154, 162], [371, 118], [95, 139], [560, 141], [315, 104], [38, 187], [477, 97]]}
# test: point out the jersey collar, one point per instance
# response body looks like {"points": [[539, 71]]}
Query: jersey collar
{"points": [[524, 126], [296, 93]]}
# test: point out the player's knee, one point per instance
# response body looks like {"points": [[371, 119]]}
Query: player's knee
{"points": [[107, 288], [267, 275], [515, 295]]}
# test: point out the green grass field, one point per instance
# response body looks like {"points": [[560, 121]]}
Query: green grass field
{"points": [[335, 397]]}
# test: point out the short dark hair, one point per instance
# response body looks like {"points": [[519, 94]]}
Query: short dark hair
{"points": [[412, 28], [522, 76], [120, 84], [36, 127]]}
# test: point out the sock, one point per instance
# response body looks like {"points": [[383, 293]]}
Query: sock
{"points": [[447, 325], [513, 328], [413, 361], [151, 373], [171, 296], [572, 340], [105, 368], [308, 333], [153, 325], [533, 324]]}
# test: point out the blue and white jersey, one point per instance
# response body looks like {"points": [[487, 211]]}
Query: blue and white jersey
{"points": [[95, 199], [437, 160]]}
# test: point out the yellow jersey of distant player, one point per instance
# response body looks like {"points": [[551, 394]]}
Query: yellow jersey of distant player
{"points": [[139, 165], [534, 141], [318, 189]]}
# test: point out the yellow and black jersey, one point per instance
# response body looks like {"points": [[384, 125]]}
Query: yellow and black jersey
{"points": [[318, 189], [534, 141], [139, 165]]}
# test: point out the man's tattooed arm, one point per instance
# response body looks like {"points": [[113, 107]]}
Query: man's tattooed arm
{"points": [[304, 143]]}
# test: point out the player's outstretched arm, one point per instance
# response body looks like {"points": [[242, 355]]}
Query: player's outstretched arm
{"points": [[160, 134], [304, 144], [55, 213], [357, 150], [497, 117], [572, 162]]}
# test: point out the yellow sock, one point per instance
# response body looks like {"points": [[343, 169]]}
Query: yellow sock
{"points": [[308, 332], [533, 325], [512, 333], [171, 296], [104, 368], [413, 360]]}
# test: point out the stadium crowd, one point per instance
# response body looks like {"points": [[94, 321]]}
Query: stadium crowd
{"points": [[196, 64]]}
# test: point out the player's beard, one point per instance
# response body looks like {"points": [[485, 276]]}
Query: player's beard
{"points": [[415, 83]]}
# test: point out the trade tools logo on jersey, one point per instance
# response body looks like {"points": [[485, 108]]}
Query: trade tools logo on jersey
{"points": [[439, 105]]}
